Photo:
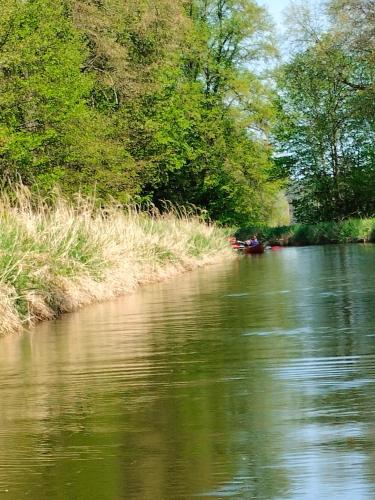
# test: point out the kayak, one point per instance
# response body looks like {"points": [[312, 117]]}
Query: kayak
{"points": [[254, 250], [241, 247]]}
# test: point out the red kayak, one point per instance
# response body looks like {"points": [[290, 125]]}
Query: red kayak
{"points": [[254, 250]]}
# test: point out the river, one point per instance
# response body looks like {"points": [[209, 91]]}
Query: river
{"points": [[253, 379]]}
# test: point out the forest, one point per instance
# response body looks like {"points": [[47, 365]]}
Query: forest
{"points": [[192, 103]]}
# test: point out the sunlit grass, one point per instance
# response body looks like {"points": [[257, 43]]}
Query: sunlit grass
{"points": [[54, 259]]}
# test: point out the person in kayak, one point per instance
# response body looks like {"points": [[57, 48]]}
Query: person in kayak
{"points": [[236, 244], [252, 242]]}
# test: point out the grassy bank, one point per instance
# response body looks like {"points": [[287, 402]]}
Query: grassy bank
{"points": [[347, 231], [57, 259]]}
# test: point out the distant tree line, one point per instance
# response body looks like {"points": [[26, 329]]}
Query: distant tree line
{"points": [[140, 101], [325, 128]]}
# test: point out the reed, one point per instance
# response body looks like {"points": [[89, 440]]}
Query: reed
{"points": [[57, 257]]}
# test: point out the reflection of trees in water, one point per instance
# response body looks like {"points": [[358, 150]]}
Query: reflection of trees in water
{"points": [[335, 384], [223, 431], [333, 295], [334, 435], [169, 399], [350, 309], [176, 390], [209, 416]]}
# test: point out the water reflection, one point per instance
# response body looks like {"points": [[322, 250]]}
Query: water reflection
{"points": [[254, 379]]}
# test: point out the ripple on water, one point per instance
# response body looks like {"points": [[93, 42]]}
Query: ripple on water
{"points": [[237, 295], [250, 380], [305, 330]]}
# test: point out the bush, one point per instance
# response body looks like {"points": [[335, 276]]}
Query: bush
{"points": [[346, 231]]}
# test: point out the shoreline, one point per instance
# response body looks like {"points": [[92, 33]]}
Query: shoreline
{"points": [[322, 233], [102, 294], [56, 260]]}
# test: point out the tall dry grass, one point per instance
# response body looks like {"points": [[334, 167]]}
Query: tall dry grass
{"points": [[57, 258]]}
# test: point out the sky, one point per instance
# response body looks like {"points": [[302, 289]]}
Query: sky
{"points": [[275, 8]]}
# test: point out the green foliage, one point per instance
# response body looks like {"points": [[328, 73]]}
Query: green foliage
{"points": [[48, 133], [324, 131], [213, 117], [139, 101], [347, 231]]}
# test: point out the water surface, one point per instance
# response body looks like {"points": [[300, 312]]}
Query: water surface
{"points": [[254, 379]]}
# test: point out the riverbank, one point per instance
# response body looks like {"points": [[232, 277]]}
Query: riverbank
{"points": [[57, 259], [346, 231]]}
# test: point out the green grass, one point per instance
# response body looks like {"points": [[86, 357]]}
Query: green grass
{"points": [[54, 259]]}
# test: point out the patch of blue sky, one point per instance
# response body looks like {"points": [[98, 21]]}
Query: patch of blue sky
{"points": [[276, 9]]}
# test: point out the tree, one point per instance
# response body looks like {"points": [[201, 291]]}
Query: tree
{"points": [[139, 101], [48, 133], [222, 111], [325, 138], [353, 24]]}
